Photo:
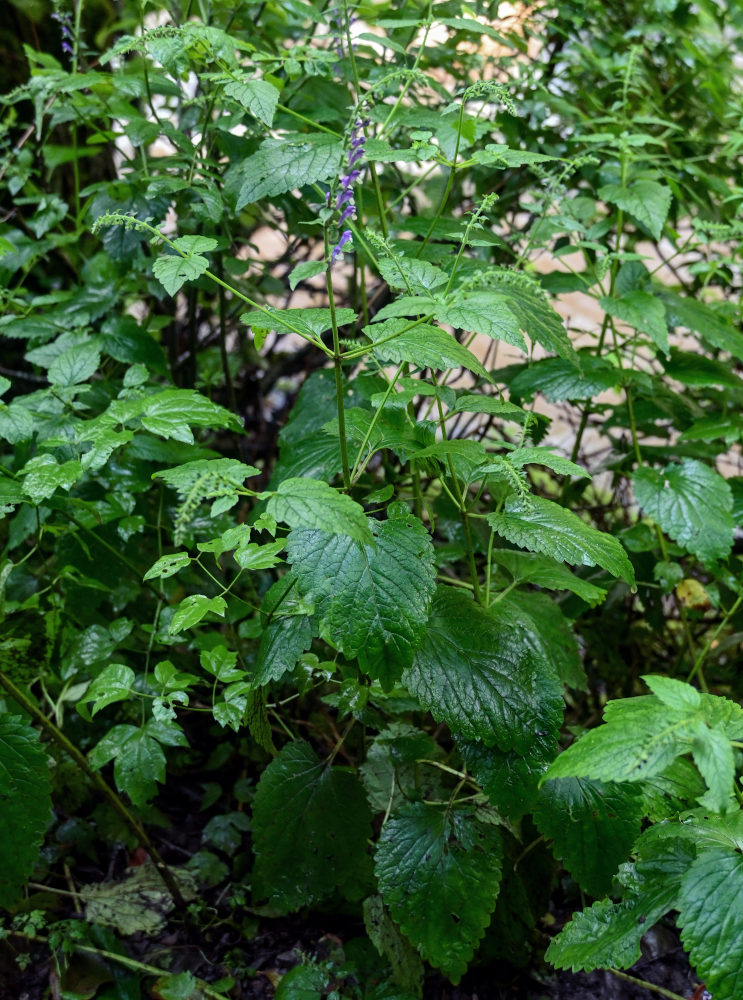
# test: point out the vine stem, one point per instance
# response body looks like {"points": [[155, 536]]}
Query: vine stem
{"points": [[131, 823], [697, 668], [660, 990]]}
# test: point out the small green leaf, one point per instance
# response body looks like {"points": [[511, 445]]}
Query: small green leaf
{"points": [[25, 793], [221, 662], [310, 826], [42, 475], [254, 556], [308, 269], [114, 683], [691, 503], [530, 567], [311, 503], [545, 456], [139, 762], [173, 271], [647, 201], [544, 526], [75, 365], [644, 312], [256, 96], [193, 609], [167, 566], [439, 871]]}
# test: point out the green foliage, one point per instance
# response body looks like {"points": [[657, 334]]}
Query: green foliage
{"points": [[363, 422], [25, 792]]}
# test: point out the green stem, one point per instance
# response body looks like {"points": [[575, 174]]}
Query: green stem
{"points": [[338, 367], [449, 185], [378, 413], [132, 824], [697, 668], [646, 985]]}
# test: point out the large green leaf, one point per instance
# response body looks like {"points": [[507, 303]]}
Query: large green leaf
{"points": [[281, 165], [311, 503], [439, 871], [310, 827], [481, 679], [483, 312], [646, 201], [536, 317], [256, 96], [530, 567], [711, 920], [642, 736], [558, 379], [592, 826], [373, 600], [691, 503], [607, 934], [25, 794], [75, 365], [509, 779], [714, 327], [544, 526], [423, 346]]}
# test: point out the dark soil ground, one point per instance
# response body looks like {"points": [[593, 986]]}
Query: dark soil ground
{"points": [[274, 950]]}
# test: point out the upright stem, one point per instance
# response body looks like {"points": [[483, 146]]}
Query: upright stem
{"points": [[99, 782], [338, 366]]}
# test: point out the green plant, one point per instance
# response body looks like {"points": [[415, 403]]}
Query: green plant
{"points": [[367, 625]]}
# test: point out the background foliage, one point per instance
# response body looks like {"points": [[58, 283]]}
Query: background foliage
{"points": [[370, 429]]}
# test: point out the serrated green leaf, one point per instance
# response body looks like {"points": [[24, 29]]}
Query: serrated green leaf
{"points": [[281, 165], [691, 503], [544, 526], [167, 566], [75, 365], [509, 779], [713, 756], [114, 683], [557, 379], [646, 201], [537, 319], [417, 277], [256, 96], [173, 271], [195, 244], [483, 681], [423, 346], [711, 920], [530, 567], [608, 935], [545, 456], [42, 475], [25, 793], [439, 871], [193, 609], [310, 826], [486, 313], [172, 412], [254, 556], [310, 322], [592, 826], [16, 423], [373, 600], [311, 503], [643, 311]]}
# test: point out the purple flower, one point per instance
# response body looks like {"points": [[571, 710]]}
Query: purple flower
{"points": [[338, 248], [64, 21], [344, 202]]}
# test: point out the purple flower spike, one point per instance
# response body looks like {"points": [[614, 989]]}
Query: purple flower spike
{"points": [[338, 248], [347, 212]]}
